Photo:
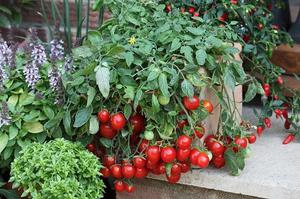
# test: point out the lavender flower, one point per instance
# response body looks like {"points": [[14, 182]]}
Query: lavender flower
{"points": [[54, 78], [38, 54], [6, 54], [3, 76], [57, 50], [68, 66], [32, 76], [5, 119]]}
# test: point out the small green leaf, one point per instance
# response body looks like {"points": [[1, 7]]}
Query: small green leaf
{"points": [[82, 116], [13, 100], [187, 88], [155, 104], [229, 80], [107, 143], [67, 122], [163, 84], [127, 111], [94, 125], [82, 52], [33, 127], [201, 57], [196, 31], [3, 141], [251, 92], [137, 98], [188, 53], [91, 95], [129, 58], [48, 112], [12, 132], [102, 78], [175, 45]]}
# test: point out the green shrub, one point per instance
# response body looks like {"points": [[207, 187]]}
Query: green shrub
{"points": [[58, 169]]}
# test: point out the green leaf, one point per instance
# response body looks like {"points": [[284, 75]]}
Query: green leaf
{"points": [[98, 4], [188, 53], [129, 92], [102, 79], [129, 58], [175, 45], [155, 104], [3, 141], [107, 143], [163, 84], [153, 75], [67, 122], [48, 112], [187, 88], [13, 100], [82, 116], [91, 95], [12, 132], [196, 31], [115, 50], [94, 125], [82, 52], [127, 111], [251, 92], [137, 98], [168, 168], [229, 80], [234, 161], [33, 127], [201, 57]]}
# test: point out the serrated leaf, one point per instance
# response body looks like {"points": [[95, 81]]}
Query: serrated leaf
{"points": [[163, 84], [175, 45], [82, 116], [187, 88], [188, 53], [251, 92], [33, 127], [201, 57], [91, 95], [94, 125], [102, 79]]}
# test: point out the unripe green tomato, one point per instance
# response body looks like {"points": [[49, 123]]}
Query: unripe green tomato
{"points": [[149, 135], [248, 152], [163, 100]]}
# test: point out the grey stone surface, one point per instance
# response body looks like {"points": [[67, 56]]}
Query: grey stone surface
{"points": [[272, 171]]}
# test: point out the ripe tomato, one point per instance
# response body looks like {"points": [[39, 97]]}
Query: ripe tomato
{"points": [[196, 14], [128, 171], [183, 154], [130, 188], [234, 2], [191, 10], [141, 173], [161, 168], [106, 131], [216, 148], [199, 131], [91, 148], [139, 162], [208, 106], [176, 169], [246, 38], [119, 186], [117, 121], [105, 172], [137, 122], [103, 116], [116, 171], [181, 124], [241, 142], [173, 179], [109, 160], [203, 160], [289, 139], [191, 103], [287, 124], [266, 88], [251, 138], [267, 122], [218, 161], [259, 130], [194, 156], [168, 154], [125, 162], [184, 142], [168, 8], [143, 145], [223, 17], [185, 167], [279, 80], [163, 100], [208, 140], [151, 165], [153, 154]]}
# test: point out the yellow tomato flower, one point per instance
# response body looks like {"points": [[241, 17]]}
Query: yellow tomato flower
{"points": [[132, 40]]}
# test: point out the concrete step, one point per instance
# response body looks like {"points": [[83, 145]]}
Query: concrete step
{"points": [[272, 171]]}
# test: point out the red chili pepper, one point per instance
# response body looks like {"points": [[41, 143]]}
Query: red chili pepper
{"points": [[288, 139]]}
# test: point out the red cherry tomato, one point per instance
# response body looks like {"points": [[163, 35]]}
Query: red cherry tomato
{"points": [[182, 123], [185, 167], [103, 116], [208, 140], [267, 90], [173, 179], [176, 169], [109, 160], [259, 130], [251, 139], [208, 106], [141, 173], [191, 10], [91, 148], [143, 145], [199, 131], [125, 162], [107, 132], [153, 154], [161, 168], [105, 172], [216, 148], [184, 142], [287, 124], [116, 171], [168, 154], [194, 156], [241, 142], [191, 103], [183, 154], [168, 8], [279, 80], [119, 186], [128, 171], [288, 139], [137, 122], [151, 165], [129, 188], [218, 161], [203, 160], [196, 14], [267, 122], [139, 162], [117, 121]]}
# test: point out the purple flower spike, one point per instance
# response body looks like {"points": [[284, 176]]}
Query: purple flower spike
{"points": [[32, 76], [68, 66], [57, 50], [54, 79], [38, 54]]}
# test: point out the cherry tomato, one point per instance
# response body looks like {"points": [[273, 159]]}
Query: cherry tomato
{"points": [[223, 17], [173, 179], [185, 167], [137, 122], [267, 122], [191, 103], [259, 130], [183, 154], [191, 10], [125, 162], [176, 169], [203, 160], [181, 124], [199, 131], [151, 165], [266, 88], [208, 106], [139, 162], [285, 113], [103, 116], [287, 124], [288, 139], [143, 145], [130, 188], [117, 121], [196, 14], [109, 160], [246, 38], [107, 132], [168, 154], [163, 100], [241, 142], [218, 161], [161, 168], [105, 172], [251, 138], [168, 8], [116, 171], [149, 135], [128, 171], [278, 113], [279, 80], [184, 142], [194, 156], [91, 148], [234, 1], [119, 186], [141, 173], [153, 154], [216, 148], [209, 139]]}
